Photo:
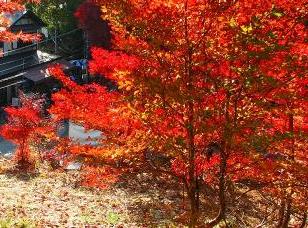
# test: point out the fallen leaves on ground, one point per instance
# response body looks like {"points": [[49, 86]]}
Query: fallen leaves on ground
{"points": [[54, 199]]}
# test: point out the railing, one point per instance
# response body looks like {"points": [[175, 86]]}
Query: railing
{"points": [[27, 48], [25, 62], [21, 66], [10, 78], [18, 50], [41, 42]]}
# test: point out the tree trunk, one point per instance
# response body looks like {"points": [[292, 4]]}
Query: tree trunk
{"points": [[193, 190], [223, 167], [192, 183], [288, 208], [303, 225], [281, 213], [287, 215], [194, 210], [222, 199], [23, 155]]}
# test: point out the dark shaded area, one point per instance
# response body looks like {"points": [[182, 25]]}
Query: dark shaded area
{"points": [[98, 30]]}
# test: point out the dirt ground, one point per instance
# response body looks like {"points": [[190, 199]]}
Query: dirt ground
{"points": [[53, 199]]}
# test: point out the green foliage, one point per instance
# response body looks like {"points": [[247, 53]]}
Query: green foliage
{"points": [[112, 218], [86, 218], [6, 223], [22, 223], [25, 223], [57, 14]]}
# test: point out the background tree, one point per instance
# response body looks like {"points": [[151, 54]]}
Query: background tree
{"points": [[57, 14], [59, 18], [98, 30]]}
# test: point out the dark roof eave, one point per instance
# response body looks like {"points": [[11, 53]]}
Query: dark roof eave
{"points": [[33, 15]]}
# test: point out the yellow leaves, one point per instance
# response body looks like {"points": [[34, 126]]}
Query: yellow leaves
{"points": [[181, 41], [49, 135], [137, 92], [123, 81], [104, 9], [233, 23], [122, 74], [277, 14], [144, 115], [246, 29], [128, 111], [110, 15]]}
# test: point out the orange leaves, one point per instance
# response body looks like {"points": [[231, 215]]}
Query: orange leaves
{"points": [[10, 6], [94, 107], [58, 73], [188, 74], [99, 177], [22, 121], [107, 63]]}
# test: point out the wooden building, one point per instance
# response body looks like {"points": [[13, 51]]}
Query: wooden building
{"points": [[23, 66], [26, 22], [18, 55]]}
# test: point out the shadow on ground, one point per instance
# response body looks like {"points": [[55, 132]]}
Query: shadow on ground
{"points": [[156, 200]]}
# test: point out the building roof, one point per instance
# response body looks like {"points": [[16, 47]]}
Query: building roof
{"points": [[40, 72], [15, 17]]}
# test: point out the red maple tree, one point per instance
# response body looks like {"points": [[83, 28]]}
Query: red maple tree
{"points": [[199, 82], [22, 127]]}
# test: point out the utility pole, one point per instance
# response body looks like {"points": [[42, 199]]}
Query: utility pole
{"points": [[86, 45], [84, 67], [56, 41]]}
